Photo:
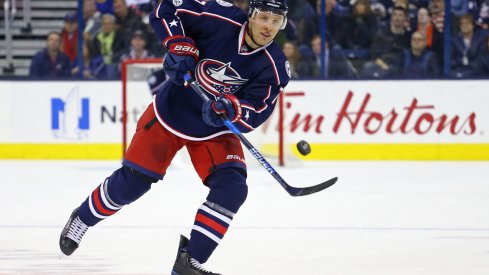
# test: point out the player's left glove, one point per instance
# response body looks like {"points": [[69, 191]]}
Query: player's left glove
{"points": [[181, 57], [226, 104]]}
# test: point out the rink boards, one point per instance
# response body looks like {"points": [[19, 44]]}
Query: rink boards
{"points": [[342, 120]]}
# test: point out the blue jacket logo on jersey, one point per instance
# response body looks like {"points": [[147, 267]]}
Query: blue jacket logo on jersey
{"points": [[217, 77]]}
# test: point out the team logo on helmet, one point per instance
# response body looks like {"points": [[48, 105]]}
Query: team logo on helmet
{"points": [[217, 77], [224, 3], [177, 3]]}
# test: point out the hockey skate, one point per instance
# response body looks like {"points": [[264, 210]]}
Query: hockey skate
{"points": [[72, 234], [186, 265]]}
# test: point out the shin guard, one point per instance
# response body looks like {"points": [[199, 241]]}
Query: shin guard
{"points": [[124, 186], [228, 191]]}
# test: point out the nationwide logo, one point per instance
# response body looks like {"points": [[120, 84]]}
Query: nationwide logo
{"points": [[70, 116], [217, 77]]}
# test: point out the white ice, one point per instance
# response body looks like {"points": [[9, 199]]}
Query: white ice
{"points": [[381, 218]]}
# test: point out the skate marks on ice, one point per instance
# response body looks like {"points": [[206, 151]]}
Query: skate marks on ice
{"points": [[385, 218], [25, 261]]}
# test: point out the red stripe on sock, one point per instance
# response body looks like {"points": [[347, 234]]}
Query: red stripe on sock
{"points": [[211, 223], [98, 204]]}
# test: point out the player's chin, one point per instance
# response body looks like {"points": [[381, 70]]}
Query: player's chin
{"points": [[265, 40]]}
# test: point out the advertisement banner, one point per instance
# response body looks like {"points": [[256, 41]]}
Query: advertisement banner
{"points": [[341, 119]]}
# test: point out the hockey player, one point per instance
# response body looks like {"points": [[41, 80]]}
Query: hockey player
{"points": [[243, 71]]}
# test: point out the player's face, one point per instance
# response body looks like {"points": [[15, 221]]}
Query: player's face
{"points": [[264, 26]]}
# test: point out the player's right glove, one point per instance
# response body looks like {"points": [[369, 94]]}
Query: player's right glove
{"points": [[226, 104], [181, 57]]}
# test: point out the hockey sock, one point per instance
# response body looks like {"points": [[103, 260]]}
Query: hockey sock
{"points": [[228, 191], [124, 186]]}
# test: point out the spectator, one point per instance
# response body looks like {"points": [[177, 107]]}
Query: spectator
{"points": [[387, 46], [299, 66], [424, 25], [94, 66], [410, 10], [110, 44], [419, 62], [104, 6], [126, 19], [461, 7], [50, 62], [483, 15], [357, 30], [302, 16], [437, 11], [379, 10], [331, 18], [466, 46], [93, 19], [336, 64], [481, 64], [242, 4], [138, 48], [69, 36]]}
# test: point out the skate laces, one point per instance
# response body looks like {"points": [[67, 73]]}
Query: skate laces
{"points": [[196, 264], [77, 230]]}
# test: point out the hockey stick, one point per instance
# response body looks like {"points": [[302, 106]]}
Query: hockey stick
{"points": [[293, 191]]}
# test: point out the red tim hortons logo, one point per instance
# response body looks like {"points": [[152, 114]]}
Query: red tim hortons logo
{"points": [[412, 118], [217, 77]]}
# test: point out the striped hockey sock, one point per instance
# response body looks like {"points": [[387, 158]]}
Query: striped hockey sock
{"points": [[211, 223], [98, 206]]}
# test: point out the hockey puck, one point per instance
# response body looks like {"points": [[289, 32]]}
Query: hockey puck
{"points": [[303, 147]]}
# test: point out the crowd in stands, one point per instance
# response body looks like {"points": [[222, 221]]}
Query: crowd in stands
{"points": [[364, 39]]}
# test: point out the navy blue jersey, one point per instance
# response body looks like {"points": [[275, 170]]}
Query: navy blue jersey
{"points": [[225, 64]]}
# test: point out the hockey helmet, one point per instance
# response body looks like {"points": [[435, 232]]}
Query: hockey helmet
{"points": [[273, 6]]}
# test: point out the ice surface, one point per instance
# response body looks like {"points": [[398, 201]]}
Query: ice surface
{"points": [[381, 218]]}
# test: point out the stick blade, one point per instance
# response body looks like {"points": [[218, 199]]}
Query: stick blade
{"points": [[296, 192]]}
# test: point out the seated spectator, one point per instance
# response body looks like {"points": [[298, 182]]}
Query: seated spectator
{"points": [[302, 16], [419, 62], [69, 36], [387, 45], [50, 62], [380, 12], [437, 11], [336, 64], [126, 19], [483, 15], [331, 18], [357, 30], [299, 66], [110, 44], [104, 6], [138, 48], [93, 19], [466, 46], [424, 25], [411, 13], [93, 66], [481, 64], [242, 4]]}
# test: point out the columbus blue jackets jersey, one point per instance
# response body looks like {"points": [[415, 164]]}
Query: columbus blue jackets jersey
{"points": [[255, 77]]}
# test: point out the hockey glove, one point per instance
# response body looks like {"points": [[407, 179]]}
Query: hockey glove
{"points": [[226, 104], [181, 57]]}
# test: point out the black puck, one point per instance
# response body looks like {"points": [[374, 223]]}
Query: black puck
{"points": [[303, 147]]}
